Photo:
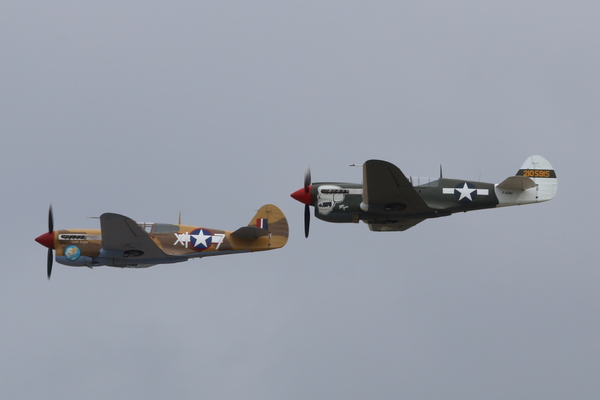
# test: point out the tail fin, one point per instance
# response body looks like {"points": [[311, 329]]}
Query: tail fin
{"points": [[534, 182], [269, 225]]}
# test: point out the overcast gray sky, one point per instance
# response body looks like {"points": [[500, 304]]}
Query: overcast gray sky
{"points": [[213, 108]]}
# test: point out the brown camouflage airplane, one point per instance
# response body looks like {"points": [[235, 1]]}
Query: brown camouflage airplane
{"points": [[122, 242]]}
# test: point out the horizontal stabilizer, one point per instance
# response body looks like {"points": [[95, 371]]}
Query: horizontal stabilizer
{"points": [[517, 183], [250, 232]]}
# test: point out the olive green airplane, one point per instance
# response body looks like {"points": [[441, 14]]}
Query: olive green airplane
{"points": [[122, 242], [388, 201]]}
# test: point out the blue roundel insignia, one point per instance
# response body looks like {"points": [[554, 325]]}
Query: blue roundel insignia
{"points": [[72, 253], [201, 239], [465, 192]]}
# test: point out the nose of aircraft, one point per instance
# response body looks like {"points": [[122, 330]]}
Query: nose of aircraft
{"points": [[46, 240], [303, 195]]}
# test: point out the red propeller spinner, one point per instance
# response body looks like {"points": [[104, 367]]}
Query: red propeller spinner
{"points": [[303, 195], [46, 240]]}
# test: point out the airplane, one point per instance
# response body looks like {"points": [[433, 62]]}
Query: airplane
{"points": [[122, 242], [388, 201]]}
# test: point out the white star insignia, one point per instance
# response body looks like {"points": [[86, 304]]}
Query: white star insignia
{"points": [[201, 238], [465, 192]]}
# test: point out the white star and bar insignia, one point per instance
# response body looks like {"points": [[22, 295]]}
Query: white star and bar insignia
{"points": [[465, 192]]}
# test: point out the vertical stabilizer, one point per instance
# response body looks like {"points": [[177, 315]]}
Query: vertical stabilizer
{"points": [[267, 230], [534, 182], [271, 219], [543, 175]]}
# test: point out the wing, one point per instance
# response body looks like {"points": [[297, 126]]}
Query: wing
{"points": [[123, 237], [386, 190], [400, 225]]}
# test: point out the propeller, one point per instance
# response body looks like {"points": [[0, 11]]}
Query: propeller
{"points": [[304, 196], [47, 240], [50, 230], [307, 182]]}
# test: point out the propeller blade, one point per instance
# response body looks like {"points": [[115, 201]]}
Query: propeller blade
{"points": [[50, 230], [307, 183], [306, 219], [49, 263], [307, 180], [50, 220]]}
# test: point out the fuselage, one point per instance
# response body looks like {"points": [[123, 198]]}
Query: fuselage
{"points": [[122, 242], [83, 247], [343, 202]]}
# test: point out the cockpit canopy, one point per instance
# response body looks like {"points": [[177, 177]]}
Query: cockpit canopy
{"points": [[155, 228]]}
